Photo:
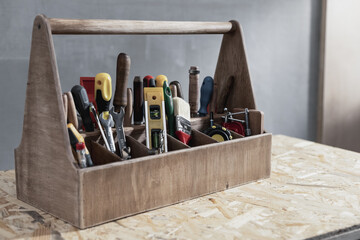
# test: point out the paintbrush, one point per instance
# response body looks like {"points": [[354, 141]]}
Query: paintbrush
{"points": [[182, 120]]}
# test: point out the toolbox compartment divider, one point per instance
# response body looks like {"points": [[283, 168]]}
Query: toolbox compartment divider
{"points": [[48, 176]]}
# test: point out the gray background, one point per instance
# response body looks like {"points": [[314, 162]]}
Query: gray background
{"points": [[281, 37]]}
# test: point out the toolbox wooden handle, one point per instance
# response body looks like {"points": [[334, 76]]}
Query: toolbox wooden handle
{"points": [[102, 26]]}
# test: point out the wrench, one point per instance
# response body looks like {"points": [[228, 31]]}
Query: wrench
{"points": [[119, 119], [92, 108], [107, 123]]}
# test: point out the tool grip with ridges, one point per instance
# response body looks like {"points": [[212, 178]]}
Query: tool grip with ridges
{"points": [[122, 74], [194, 90]]}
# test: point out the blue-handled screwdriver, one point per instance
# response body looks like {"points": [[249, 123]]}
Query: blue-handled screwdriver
{"points": [[206, 91]]}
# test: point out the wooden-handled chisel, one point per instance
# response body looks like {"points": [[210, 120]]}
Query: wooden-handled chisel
{"points": [[128, 108], [120, 102]]}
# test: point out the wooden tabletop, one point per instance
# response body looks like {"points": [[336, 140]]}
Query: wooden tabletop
{"points": [[313, 189]]}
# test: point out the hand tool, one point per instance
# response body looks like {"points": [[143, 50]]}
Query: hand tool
{"points": [[107, 122], [103, 92], [120, 102], [81, 154], [169, 108], [236, 125], [173, 89], [82, 104], [155, 123], [93, 110], [149, 81], [178, 89], [65, 105], [160, 79], [194, 90], [71, 113], [207, 88], [182, 120], [89, 84], [75, 137], [218, 133], [128, 108], [138, 101], [223, 94]]}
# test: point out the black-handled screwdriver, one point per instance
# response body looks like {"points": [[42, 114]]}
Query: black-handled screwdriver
{"points": [[82, 105]]}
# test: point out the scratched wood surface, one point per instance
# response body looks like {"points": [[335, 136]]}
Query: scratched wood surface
{"points": [[313, 189]]}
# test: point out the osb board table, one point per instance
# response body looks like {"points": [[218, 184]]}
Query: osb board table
{"points": [[313, 190]]}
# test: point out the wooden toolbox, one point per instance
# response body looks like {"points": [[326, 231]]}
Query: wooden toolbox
{"points": [[48, 177]]}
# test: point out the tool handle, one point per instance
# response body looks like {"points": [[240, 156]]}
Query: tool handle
{"points": [[82, 104], [122, 75], [207, 88], [173, 89], [129, 108], [71, 113], [65, 104], [103, 92], [138, 101], [223, 95], [179, 92], [169, 108], [149, 81], [110, 26], [194, 90]]}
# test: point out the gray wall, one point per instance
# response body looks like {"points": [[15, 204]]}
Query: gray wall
{"points": [[281, 37]]}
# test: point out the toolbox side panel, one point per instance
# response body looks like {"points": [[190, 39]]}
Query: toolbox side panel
{"points": [[45, 175], [122, 189]]}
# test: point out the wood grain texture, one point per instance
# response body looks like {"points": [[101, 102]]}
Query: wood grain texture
{"points": [[223, 94], [102, 26], [339, 99], [174, 144], [133, 186], [72, 114], [232, 63], [45, 172], [313, 189], [122, 77], [128, 108], [256, 120], [194, 90]]}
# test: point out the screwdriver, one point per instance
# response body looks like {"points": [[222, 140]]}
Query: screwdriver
{"points": [[206, 91], [148, 81], [75, 137], [103, 92], [82, 105], [138, 101]]}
